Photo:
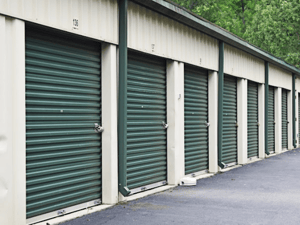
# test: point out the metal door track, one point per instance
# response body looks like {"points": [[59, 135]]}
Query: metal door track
{"points": [[62, 212], [147, 187]]}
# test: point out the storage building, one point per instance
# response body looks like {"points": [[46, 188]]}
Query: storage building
{"points": [[103, 100]]}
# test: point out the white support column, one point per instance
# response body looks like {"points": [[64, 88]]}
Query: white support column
{"points": [[278, 119], [19, 120], [242, 87], [296, 116], [12, 122], [109, 123], [213, 121], [175, 118], [290, 97], [261, 120]]}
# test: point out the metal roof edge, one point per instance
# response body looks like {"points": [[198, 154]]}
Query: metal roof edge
{"points": [[188, 18]]}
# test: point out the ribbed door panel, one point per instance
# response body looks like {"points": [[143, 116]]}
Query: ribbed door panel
{"points": [[63, 101], [195, 119], [284, 116], [252, 105], [229, 147], [271, 124], [146, 137]]}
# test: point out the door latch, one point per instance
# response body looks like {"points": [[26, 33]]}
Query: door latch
{"points": [[165, 125], [61, 212], [97, 202], [98, 128]]}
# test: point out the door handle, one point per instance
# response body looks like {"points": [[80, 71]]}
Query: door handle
{"points": [[98, 128], [165, 125]]}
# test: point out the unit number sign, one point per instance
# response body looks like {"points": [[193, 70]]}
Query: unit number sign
{"points": [[75, 24]]}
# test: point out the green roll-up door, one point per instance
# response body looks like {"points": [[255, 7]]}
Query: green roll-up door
{"points": [[284, 118], [195, 119], [229, 146], [252, 106], [146, 136], [63, 103], [271, 123]]}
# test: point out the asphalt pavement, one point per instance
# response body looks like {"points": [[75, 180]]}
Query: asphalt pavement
{"points": [[264, 192]]}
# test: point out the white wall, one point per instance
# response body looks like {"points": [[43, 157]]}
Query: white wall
{"points": [[213, 121], [156, 34], [278, 119], [280, 78], [242, 119], [241, 64], [109, 122], [12, 122], [97, 19], [261, 120], [290, 119], [175, 118]]}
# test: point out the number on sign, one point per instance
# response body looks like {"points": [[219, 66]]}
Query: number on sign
{"points": [[75, 24]]}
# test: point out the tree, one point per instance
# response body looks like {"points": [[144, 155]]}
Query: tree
{"points": [[231, 15], [275, 28]]}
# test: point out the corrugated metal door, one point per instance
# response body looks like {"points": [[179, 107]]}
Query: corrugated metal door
{"points": [[252, 105], [229, 147], [271, 121], [146, 136], [195, 119], [63, 102], [284, 118]]}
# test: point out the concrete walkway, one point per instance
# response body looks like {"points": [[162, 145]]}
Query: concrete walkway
{"points": [[264, 192]]}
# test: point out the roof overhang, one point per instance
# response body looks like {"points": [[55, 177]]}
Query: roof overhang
{"points": [[190, 19]]}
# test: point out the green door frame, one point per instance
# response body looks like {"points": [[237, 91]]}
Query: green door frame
{"points": [[122, 117], [220, 103], [266, 106]]}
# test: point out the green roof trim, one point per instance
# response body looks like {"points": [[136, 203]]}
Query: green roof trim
{"points": [[182, 15]]}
